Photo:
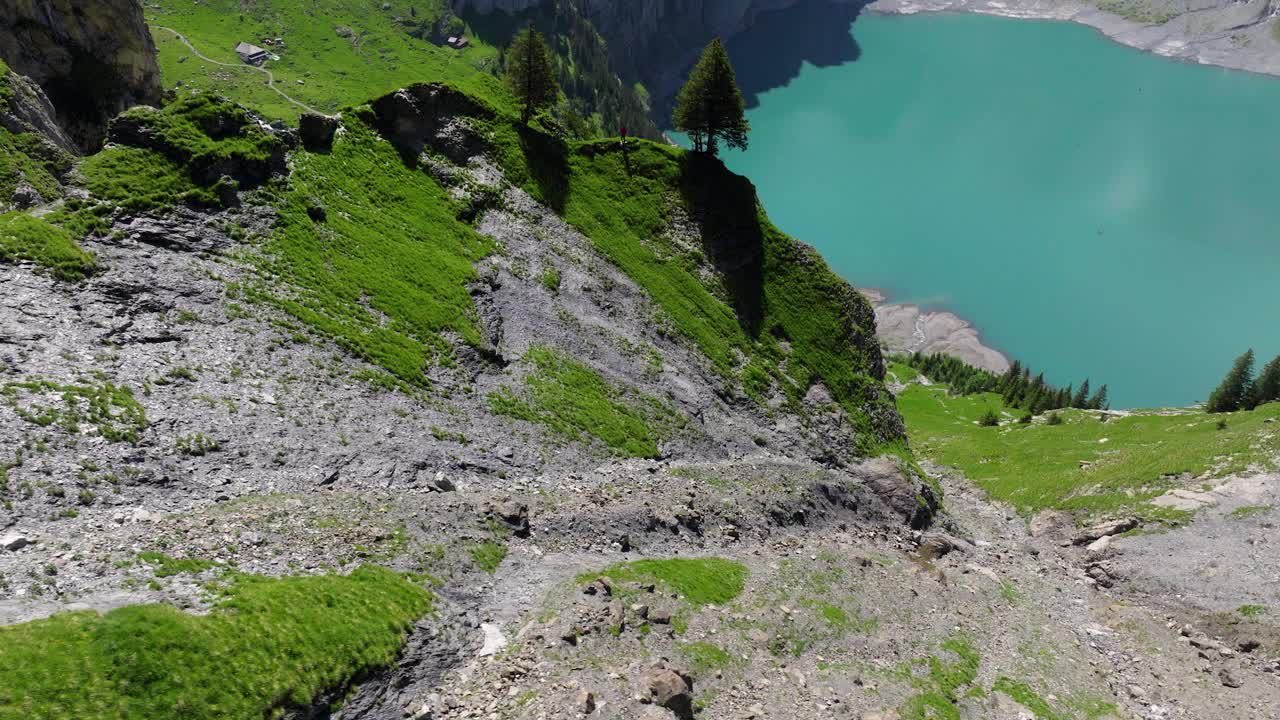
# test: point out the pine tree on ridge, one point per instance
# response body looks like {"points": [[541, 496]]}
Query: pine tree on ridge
{"points": [[531, 72], [710, 107]]}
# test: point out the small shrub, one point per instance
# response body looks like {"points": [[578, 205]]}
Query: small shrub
{"points": [[989, 418], [550, 279], [488, 556], [181, 373], [1054, 419], [196, 444], [1025, 419], [1221, 425]]}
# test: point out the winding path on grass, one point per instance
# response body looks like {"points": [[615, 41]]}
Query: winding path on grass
{"points": [[271, 78]]}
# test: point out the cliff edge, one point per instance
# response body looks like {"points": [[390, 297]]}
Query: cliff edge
{"points": [[91, 59]]}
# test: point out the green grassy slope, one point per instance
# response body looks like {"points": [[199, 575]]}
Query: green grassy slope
{"points": [[26, 157], [773, 315], [1083, 464], [269, 644], [374, 53], [23, 155], [23, 237], [769, 290], [385, 272], [574, 400], [373, 253]]}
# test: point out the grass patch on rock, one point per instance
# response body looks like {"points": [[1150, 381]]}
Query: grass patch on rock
{"points": [[767, 299], [110, 409], [1139, 11], [384, 272], [54, 249], [705, 658], [136, 179], [1251, 610], [939, 689], [166, 566], [574, 400], [488, 555], [268, 644], [700, 581], [1027, 697], [29, 157]]}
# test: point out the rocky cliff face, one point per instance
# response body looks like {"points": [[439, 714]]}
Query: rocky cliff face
{"points": [[656, 40], [93, 59]]}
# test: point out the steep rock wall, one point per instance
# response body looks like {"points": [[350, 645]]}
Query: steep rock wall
{"points": [[657, 40], [93, 59]]}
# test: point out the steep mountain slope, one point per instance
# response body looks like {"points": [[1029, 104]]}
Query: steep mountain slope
{"points": [[413, 339], [334, 53], [420, 412], [656, 41]]}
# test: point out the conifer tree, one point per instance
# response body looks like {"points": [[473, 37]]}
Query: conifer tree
{"points": [[1010, 377], [1099, 400], [1081, 399], [1231, 394], [531, 72], [710, 107], [1266, 387]]}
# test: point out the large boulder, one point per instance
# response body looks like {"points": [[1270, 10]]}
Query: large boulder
{"points": [[1104, 529], [29, 111], [317, 131], [430, 116], [669, 689], [14, 541]]}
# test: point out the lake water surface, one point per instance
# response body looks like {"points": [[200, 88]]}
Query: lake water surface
{"points": [[1092, 209]]}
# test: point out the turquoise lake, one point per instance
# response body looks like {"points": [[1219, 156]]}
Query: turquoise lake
{"points": [[1094, 210]]}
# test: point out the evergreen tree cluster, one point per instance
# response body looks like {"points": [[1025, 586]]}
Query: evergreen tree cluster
{"points": [[710, 107], [1017, 386], [596, 100], [1240, 390]]}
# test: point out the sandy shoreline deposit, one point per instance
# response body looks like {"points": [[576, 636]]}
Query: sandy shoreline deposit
{"points": [[906, 328], [1236, 35]]}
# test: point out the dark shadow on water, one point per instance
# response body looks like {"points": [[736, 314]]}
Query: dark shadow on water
{"points": [[770, 53], [725, 206]]}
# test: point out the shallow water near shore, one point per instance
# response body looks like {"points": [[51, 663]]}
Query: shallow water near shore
{"points": [[1094, 210]]}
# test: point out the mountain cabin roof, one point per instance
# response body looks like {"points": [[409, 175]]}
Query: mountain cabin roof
{"points": [[246, 50]]}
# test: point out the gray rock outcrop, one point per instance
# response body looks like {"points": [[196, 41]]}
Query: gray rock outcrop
{"points": [[29, 111], [93, 59]]}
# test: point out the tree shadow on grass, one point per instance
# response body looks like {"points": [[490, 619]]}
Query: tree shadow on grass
{"points": [[724, 206], [547, 157]]}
